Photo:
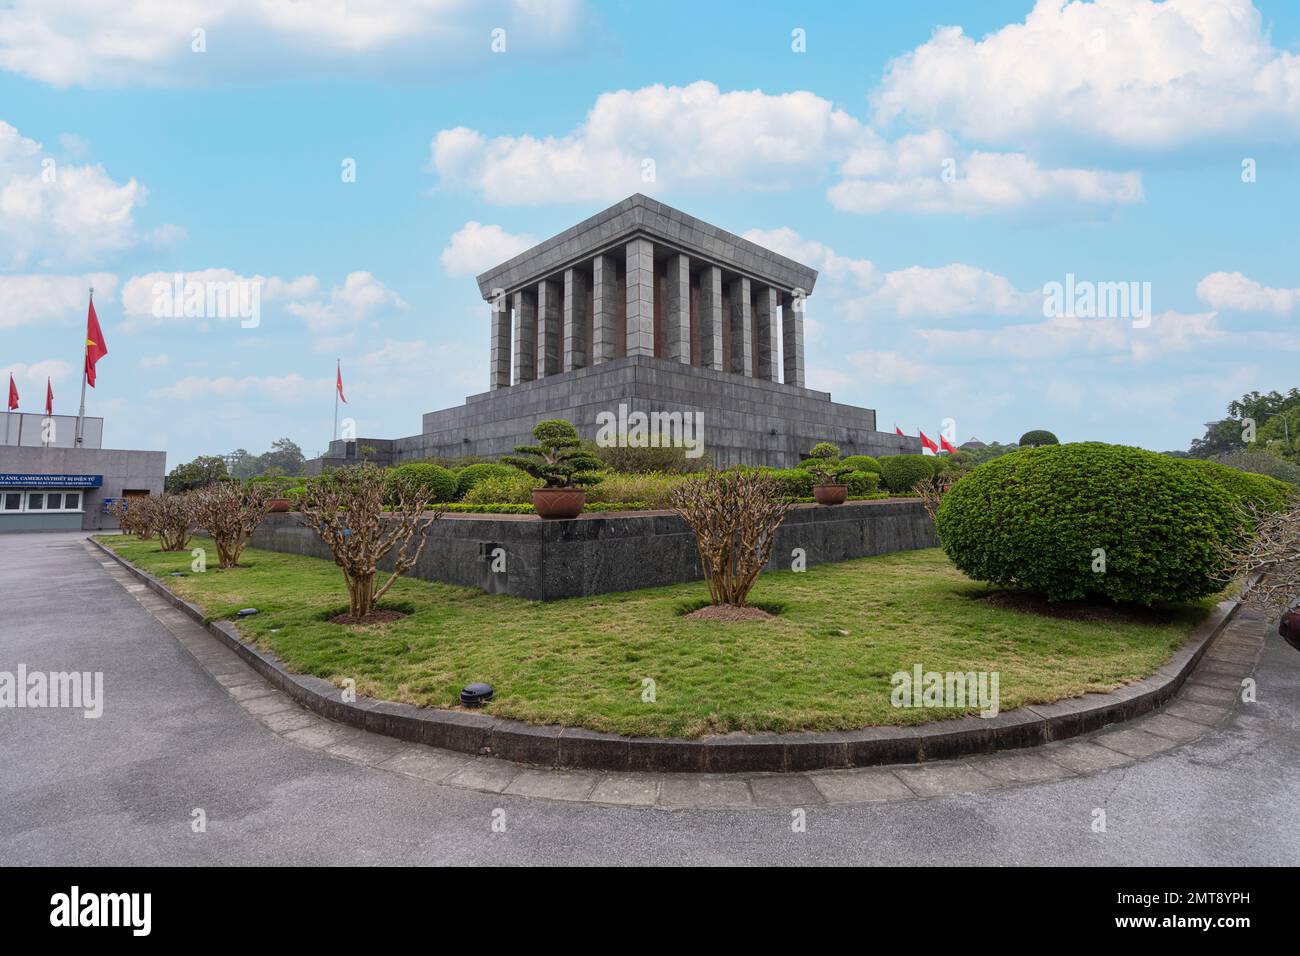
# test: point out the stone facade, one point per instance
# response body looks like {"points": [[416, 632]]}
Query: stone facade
{"points": [[646, 307]]}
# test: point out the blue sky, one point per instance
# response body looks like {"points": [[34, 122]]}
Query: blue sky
{"points": [[1104, 140]]}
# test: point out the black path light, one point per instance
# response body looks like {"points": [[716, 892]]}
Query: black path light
{"points": [[476, 695], [246, 612]]}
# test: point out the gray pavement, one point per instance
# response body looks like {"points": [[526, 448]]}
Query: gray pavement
{"points": [[183, 728]]}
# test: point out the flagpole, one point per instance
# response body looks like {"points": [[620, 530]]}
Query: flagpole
{"points": [[338, 370], [85, 350]]}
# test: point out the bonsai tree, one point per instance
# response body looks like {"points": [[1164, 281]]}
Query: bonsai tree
{"points": [[734, 515], [230, 514], [824, 462], [1037, 438], [347, 511], [558, 458]]}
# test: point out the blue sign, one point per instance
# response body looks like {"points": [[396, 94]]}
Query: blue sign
{"points": [[51, 481]]}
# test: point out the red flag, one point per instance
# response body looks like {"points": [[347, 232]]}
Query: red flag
{"points": [[49, 397], [898, 431], [926, 443], [13, 393], [947, 445], [95, 347], [338, 383]]}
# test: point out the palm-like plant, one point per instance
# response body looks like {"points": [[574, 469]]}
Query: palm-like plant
{"points": [[824, 462], [558, 458]]}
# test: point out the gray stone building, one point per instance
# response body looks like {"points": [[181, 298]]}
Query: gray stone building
{"points": [[49, 484], [643, 308]]}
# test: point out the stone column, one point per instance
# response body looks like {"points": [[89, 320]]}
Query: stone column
{"points": [[548, 327], [500, 362], [525, 309], [765, 319], [711, 318], [792, 338], [604, 307], [742, 355], [678, 312], [640, 298], [575, 319]]}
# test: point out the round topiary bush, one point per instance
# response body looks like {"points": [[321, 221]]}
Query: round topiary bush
{"points": [[794, 482], [862, 483], [1037, 439], [471, 475], [1035, 519], [438, 481], [862, 463], [1265, 493], [900, 473]]}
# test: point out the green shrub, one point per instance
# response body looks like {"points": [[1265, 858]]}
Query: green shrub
{"points": [[1035, 518], [653, 489], [1262, 463], [792, 482], [1038, 438], [862, 463], [516, 489], [634, 460], [900, 473], [437, 481], [558, 458], [471, 475], [862, 483], [1263, 492]]}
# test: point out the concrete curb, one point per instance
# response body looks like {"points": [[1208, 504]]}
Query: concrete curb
{"points": [[573, 747]]}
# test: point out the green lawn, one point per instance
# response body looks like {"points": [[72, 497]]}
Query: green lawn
{"points": [[824, 663]]}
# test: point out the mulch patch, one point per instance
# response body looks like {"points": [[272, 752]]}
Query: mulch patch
{"points": [[374, 617], [729, 612], [1076, 610]]}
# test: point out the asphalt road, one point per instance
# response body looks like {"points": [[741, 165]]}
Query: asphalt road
{"points": [[121, 789]]}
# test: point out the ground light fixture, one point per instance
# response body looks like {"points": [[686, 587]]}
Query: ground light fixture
{"points": [[476, 695]]}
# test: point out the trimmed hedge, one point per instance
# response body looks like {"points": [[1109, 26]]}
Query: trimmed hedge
{"points": [[862, 483], [794, 482], [1033, 519], [1263, 492], [435, 479], [1037, 438], [471, 475], [902, 472], [862, 463]]}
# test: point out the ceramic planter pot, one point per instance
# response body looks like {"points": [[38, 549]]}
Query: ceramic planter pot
{"points": [[278, 505], [559, 502], [830, 494]]}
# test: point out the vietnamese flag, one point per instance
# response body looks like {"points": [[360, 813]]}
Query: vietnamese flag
{"points": [[49, 397], [927, 443], [13, 393], [95, 347], [898, 431], [947, 445], [338, 382]]}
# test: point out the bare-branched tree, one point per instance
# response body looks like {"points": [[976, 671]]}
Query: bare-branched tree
{"points": [[347, 511], [734, 515], [172, 517], [1270, 547], [230, 514], [931, 491], [134, 517]]}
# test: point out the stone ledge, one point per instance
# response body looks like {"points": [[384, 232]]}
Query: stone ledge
{"points": [[577, 747]]}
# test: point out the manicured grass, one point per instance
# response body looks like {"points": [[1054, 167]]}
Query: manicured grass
{"points": [[824, 663]]}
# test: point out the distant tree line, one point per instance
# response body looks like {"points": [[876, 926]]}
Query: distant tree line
{"points": [[284, 458]]}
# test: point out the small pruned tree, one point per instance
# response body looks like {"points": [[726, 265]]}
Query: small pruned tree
{"points": [[133, 518], [230, 514], [931, 491], [824, 462], [347, 512], [734, 515], [172, 517], [558, 458], [1269, 547]]}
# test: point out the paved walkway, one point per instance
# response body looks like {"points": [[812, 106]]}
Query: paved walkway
{"points": [[188, 725]]}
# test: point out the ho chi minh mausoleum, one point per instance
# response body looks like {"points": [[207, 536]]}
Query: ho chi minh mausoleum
{"points": [[646, 307]]}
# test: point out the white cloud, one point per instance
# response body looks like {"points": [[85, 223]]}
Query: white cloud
{"points": [[360, 296], [889, 368], [27, 377], [475, 248], [929, 173], [150, 299], [90, 43], [285, 388], [60, 214], [1129, 72], [1232, 291], [155, 361], [41, 299]]}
